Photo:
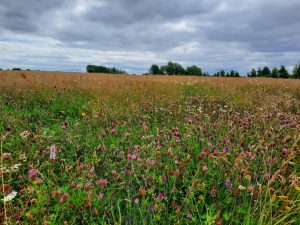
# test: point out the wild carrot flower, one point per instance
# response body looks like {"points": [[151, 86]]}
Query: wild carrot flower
{"points": [[10, 196]]}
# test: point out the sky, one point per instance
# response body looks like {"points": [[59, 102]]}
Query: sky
{"points": [[67, 35]]}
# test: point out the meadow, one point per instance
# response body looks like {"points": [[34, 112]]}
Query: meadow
{"points": [[121, 149]]}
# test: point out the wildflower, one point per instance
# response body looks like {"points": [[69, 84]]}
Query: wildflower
{"points": [[10, 196], [228, 184], [72, 185], [114, 131], [32, 174], [64, 197], [6, 188], [57, 193], [150, 208], [213, 192], [164, 179], [87, 186], [218, 222], [101, 195], [24, 134], [285, 151], [160, 195], [189, 215], [102, 182], [174, 188], [142, 192], [297, 188], [136, 201], [52, 152], [38, 181], [241, 187], [83, 114]]}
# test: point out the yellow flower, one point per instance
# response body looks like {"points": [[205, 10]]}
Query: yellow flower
{"points": [[297, 188], [83, 114]]}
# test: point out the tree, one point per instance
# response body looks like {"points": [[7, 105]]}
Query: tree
{"points": [[265, 72], [16, 69], [222, 73], [253, 73], [259, 72], [173, 68], [296, 71], [103, 69], [194, 71], [231, 73], [274, 72], [154, 69], [236, 74], [282, 72]]}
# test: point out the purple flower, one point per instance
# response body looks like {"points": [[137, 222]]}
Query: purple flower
{"points": [[150, 208], [160, 195], [228, 184], [164, 179], [32, 174]]}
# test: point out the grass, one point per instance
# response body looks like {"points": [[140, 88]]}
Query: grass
{"points": [[115, 149]]}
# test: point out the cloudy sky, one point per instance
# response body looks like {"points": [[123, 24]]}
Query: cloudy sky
{"points": [[66, 35]]}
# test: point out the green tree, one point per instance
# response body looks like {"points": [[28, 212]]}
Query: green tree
{"points": [[253, 73], [173, 68], [275, 72], [282, 72], [154, 69], [236, 74], [222, 73], [259, 72], [265, 72], [231, 73], [194, 71], [296, 71]]}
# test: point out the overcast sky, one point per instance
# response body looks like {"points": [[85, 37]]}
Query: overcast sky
{"points": [[66, 35]]}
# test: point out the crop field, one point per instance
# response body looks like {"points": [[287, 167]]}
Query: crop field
{"points": [[121, 149]]}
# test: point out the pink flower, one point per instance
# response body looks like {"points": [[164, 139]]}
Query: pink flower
{"points": [[174, 188], [101, 195], [87, 186], [164, 179], [32, 174], [102, 182], [160, 195], [114, 131], [136, 201]]}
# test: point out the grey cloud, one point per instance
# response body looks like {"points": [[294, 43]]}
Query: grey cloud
{"points": [[212, 34]]}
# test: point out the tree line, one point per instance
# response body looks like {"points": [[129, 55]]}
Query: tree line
{"points": [[103, 69]]}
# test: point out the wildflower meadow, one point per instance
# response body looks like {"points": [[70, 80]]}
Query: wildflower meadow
{"points": [[93, 149]]}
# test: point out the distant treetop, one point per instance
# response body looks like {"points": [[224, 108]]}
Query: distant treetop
{"points": [[103, 69]]}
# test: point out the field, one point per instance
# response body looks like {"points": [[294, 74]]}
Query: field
{"points": [[117, 149]]}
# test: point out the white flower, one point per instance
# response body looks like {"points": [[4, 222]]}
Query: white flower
{"points": [[10, 197], [241, 187]]}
